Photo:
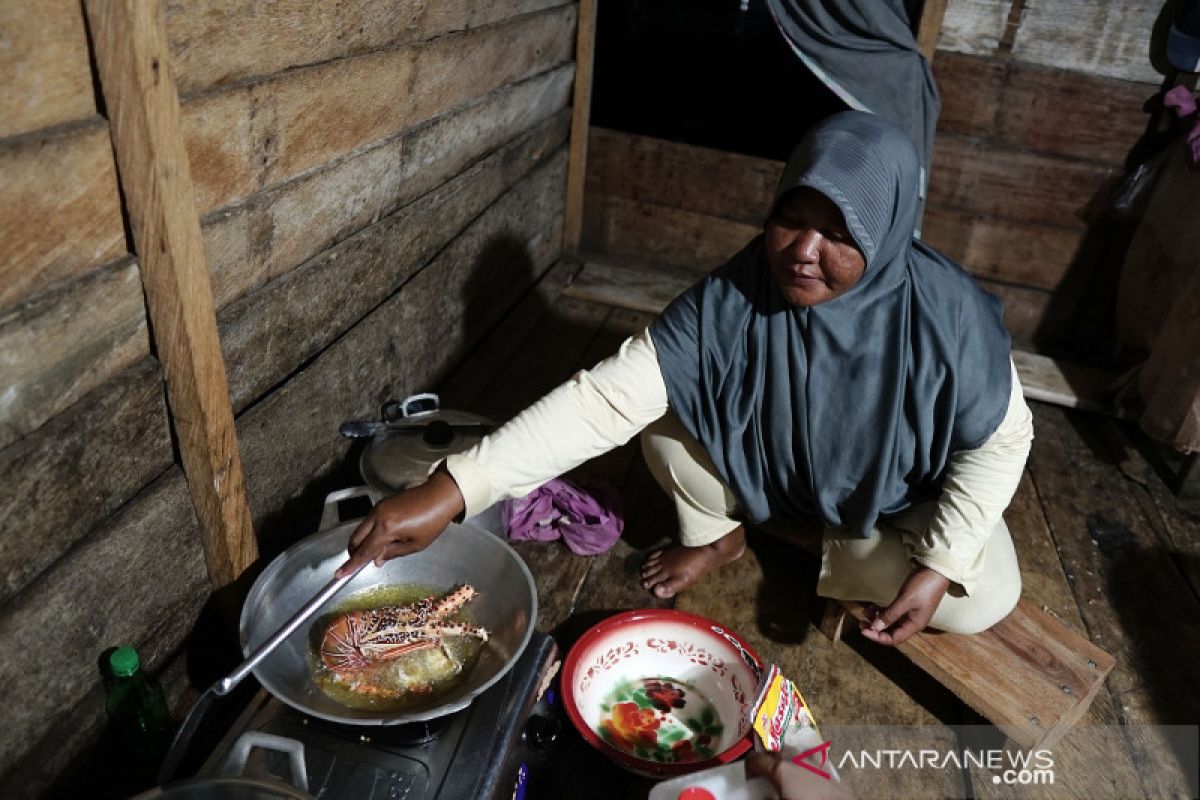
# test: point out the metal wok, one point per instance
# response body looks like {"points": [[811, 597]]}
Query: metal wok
{"points": [[506, 606]]}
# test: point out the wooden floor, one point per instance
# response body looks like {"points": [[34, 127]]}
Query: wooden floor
{"points": [[1103, 544]]}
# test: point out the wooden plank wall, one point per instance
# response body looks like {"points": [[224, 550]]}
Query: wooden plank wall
{"points": [[1038, 115], [378, 182]]}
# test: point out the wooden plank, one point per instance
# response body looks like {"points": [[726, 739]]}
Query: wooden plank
{"points": [[60, 212], [207, 51], [253, 136], [1111, 556], [548, 359], [1042, 112], [929, 28], [1097, 37], [617, 226], [1037, 320], [131, 52], [77, 469], [1065, 384], [716, 183], [279, 228], [1029, 674], [66, 342], [139, 580], [321, 112], [558, 574], [974, 26], [267, 333], [1024, 253], [983, 177], [585, 47], [970, 87], [309, 214], [499, 10], [229, 140], [44, 58], [646, 289], [507, 339], [1096, 739]]}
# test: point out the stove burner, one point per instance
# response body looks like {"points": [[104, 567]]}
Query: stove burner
{"points": [[480, 752]]}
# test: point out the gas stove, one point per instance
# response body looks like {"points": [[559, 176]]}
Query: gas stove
{"points": [[491, 749]]}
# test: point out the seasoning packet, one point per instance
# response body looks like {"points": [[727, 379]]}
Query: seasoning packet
{"points": [[785, 725]]}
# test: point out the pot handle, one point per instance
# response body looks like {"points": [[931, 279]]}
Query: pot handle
{"points": [[293, 749], [330, 518], [402, 409]]}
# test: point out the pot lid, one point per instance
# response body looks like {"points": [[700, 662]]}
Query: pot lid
{"points": [[418, 434]]}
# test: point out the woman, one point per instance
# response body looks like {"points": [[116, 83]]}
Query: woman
{"points": [[835, 370]]}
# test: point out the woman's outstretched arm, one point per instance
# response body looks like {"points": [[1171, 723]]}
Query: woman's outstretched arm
{"points": [[593, 412]]}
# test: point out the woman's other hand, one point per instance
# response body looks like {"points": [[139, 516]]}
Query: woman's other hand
{"points": [[404, 523], [910, 612], [794, 782]]}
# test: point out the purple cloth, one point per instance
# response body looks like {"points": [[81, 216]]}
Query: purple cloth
{"points": [[587, 518], [1183, 103]]}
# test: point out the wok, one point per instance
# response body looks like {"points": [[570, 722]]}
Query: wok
{"points": [[506, 606]]}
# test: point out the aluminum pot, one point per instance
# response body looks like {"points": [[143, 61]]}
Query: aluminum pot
{"points": [[506, 606], [412, 435]]}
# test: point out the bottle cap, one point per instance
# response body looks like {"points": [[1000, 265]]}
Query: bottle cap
{"points": [[124, 661]]}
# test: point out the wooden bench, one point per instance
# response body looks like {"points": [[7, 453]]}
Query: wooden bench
{"points": [[1029, 675]]}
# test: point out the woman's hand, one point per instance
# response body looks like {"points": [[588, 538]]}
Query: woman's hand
{"points": [[404, 523], [910, 612], [794, 782]]}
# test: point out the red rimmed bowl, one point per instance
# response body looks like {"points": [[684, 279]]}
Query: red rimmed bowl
{"points": [[662, 692]]}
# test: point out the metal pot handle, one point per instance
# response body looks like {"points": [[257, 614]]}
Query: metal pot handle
{"points": [[403, 409], [269, 741], [330, 518]]}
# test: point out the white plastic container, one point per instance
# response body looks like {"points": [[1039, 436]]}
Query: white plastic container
{"points": [[726, 782]]}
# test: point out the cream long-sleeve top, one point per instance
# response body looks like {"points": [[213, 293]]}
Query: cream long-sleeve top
{"points": [[604, 407]]}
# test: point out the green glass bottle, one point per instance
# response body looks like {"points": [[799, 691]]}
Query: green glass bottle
{"points": [[137, 708]]}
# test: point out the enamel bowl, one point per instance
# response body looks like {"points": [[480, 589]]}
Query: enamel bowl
{"points": [[662, 692]]}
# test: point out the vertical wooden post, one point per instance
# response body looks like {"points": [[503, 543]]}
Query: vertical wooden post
{"points": [[930, 27], [585, 48], [130, 42]]}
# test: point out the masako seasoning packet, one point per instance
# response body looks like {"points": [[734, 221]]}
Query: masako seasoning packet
{"points": [[785, 724]]}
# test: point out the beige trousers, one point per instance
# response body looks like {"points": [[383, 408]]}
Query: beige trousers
{"points": [[870, 570]]}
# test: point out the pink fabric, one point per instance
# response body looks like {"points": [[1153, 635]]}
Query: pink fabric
{"points": [[587, 518], [1183, 103]]}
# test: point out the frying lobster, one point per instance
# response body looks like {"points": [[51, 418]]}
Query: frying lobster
{"points": [[358, 640]]}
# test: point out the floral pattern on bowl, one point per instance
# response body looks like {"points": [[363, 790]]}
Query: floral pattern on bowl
{"points": [[660, 719]]}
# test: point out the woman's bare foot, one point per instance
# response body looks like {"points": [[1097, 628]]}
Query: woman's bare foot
{"points": [[668, 571]]}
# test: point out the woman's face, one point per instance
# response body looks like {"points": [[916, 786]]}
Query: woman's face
{"points": [[812, 256]]}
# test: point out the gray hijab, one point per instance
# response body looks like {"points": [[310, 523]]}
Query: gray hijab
{"points": [[849, 409], [865, 52]]}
